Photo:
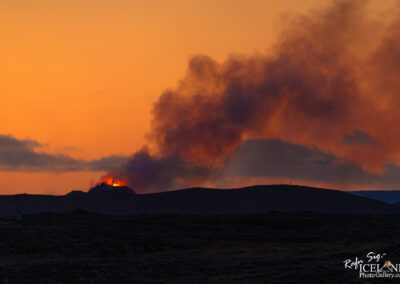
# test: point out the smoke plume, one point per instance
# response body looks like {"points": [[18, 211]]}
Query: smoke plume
{"points": [[332, 77]]}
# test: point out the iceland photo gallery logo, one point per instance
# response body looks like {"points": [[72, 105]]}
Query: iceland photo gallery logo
{"points": [[374, 265]]}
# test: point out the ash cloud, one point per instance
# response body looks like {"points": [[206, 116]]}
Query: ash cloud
{"points": [[22, 155], [105, 163], [279, 159], [148, 171], [359, 137], [319, 84]]}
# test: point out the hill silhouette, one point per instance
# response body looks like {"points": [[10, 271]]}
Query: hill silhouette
{"points": [[247, 200], [388, 196]]}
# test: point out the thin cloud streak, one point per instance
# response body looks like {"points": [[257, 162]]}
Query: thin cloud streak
{"points": [[21, 155]]}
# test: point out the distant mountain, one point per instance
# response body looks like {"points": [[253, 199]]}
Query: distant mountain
{"points": [[388, 196], [248, 200]]}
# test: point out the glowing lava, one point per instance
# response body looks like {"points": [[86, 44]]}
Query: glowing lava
{"points": [[117, 183], [114, 181]]}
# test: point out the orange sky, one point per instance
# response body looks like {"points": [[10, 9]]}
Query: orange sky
{"points": [[80, 76]]}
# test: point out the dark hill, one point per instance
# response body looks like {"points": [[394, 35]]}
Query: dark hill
{"points": [[388, 196], [249, 200], [260, 199]]}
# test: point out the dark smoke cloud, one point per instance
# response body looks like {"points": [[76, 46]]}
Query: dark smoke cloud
{"points": [[21, 155], [103, 164], [279, 159], [147, 171], [359, 137], [313, 90]]}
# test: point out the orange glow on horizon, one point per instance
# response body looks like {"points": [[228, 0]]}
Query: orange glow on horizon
{"points": [[72, 69]]}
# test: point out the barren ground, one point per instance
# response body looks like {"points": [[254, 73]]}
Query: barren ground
{"points": [[80, 247]]}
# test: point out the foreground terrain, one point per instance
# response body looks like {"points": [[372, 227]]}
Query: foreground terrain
{"points": [[81, 247]]}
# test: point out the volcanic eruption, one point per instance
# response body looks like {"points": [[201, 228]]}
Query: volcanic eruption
{"points": [[315, 87], [113, 181], [111, 184]]}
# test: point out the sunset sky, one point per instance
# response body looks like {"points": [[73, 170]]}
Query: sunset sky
{"points": [[78, 80]]}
